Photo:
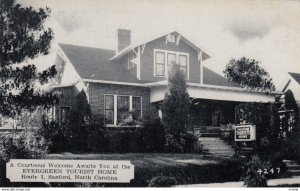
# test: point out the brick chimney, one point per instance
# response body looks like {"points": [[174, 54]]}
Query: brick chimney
{"points": [[124, 39]]}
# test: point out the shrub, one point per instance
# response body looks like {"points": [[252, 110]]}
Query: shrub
{"points": [[96, 139], [162, 181], [28, 144], [51, 132], [176, 104], [261, 167], [251, 176], [174, 145], [191, 143], [153, 136], [186, 143]]}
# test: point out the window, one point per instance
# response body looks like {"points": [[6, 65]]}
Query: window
{"points": [[160, 64], [163, 59], [122, 108], [109, 109], [136, 108], [64, 114], [183, 64], [171, 58]]}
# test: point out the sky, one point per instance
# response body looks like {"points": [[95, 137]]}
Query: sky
{"points": [[265, 30]]}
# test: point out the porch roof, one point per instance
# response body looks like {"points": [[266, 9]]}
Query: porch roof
{"points": [[214, 92]]}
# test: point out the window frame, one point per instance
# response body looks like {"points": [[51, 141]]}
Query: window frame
{"points": [[141, 108], [67, 115], [166, 52], [123, 110], [163, 64], [113, 117], [180, 66], [115, 110]]}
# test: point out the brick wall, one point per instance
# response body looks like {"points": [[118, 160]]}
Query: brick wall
{"points": [[97, 91], [67, 98]]}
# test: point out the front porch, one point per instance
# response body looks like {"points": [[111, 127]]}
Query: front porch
{"points": [[213, 107], [212, 114]]}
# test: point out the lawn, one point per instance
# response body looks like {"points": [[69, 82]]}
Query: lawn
{"points": [[185, 168]]}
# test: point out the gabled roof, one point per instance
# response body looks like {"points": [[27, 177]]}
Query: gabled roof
{"points": [[296, 76], [134, 45], [93, 63], [212, 78]]}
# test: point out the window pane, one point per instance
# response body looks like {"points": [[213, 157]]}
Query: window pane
{"points": [[171, 58], [183, 69], [160, 57], [182, 60], [123, 107], [109, 116], [136, 102], [136, 106], [65, 111], [160, 69], [123, 103], [109, 102]]}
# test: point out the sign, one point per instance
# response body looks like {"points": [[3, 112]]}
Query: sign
{"points": [[33, 170], [245, 133]]}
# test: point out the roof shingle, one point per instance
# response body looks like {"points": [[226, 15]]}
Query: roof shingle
{"points": [[296, 77], [93, 63], [212, 78]]}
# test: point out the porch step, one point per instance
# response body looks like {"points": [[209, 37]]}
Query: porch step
{"points": [[293, 168], [290, 162], [295, 172], [216, 146], [208, 134]]}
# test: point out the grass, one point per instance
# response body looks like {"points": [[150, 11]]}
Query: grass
{"points": [[185, 168]]}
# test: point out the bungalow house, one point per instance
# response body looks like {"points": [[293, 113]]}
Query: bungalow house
{"points": [[133, 79]]}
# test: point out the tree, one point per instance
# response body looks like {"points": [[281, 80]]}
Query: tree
{"points": [[248, 73], [176, 105], [23, 37]]}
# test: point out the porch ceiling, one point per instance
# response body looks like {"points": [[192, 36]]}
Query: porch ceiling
{"points": [[216, 93]]}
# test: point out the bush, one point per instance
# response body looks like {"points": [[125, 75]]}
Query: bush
{"points": [[51, 132], [94, 137], [25, 145], [191, 143], [122, 140], [162, 181], [251, 176], [262, 166], [185, 143], [28, 144], [173, 144], [153, 136]]}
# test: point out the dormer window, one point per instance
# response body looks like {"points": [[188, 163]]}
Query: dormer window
{"points": [[163, 59]]}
